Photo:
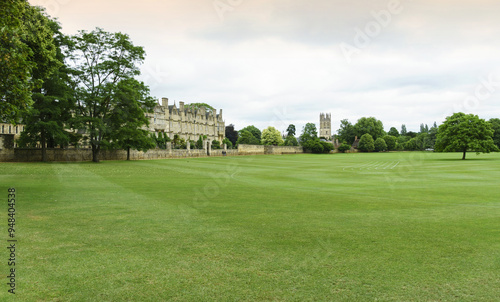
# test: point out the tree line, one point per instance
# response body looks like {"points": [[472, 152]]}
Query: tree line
{"points": [[458, 133]]}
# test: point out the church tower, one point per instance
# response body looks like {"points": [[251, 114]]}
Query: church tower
{"points": [[325, 125]]}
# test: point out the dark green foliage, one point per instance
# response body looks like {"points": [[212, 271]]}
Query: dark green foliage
{"points": [[27, 55], [366, 143], [390, 142], [346, 133], [228, 143], [393, 131], [291, 140], [254, 131], [231, 134], [344, 147], [495, 126], [247, 138], [465, 132], [215, 144], [309, 133], [380, 145], [127, 117], [369, 125], [290, 131], [199, 143], [50, 115]]}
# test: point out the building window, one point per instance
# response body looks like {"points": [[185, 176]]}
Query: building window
{"points": [[10, 129], [3, 129], [17, 130]]}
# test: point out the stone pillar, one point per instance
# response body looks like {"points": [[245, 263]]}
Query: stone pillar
{"points": [[188, 146], [225, 147]]}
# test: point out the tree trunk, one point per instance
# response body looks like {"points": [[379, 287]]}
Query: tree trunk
{"points": [[44, 148], [465, 151], [128, 153], [95, 153]]}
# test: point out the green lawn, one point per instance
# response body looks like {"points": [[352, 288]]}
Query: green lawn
{"points": [[341, 227]]}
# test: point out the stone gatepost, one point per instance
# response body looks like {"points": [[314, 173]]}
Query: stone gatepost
{"points": [[225, 147], [209, 147], [169, 148], [188, 146]]}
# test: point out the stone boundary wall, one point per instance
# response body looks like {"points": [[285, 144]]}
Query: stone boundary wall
{"points": [[78, 155]]}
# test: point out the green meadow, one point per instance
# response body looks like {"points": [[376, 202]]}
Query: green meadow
{"points": [[339, 227]]}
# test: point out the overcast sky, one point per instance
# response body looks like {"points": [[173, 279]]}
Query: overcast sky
{"points": [[272, 63]]}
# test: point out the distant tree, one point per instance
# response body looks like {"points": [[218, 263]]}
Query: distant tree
{"points": [[411, 134], [346, 132], [290, 130], [369, 125], [495, 126], [411, 145], [255, 132], [231, 134], [390, 141], [309, 133], [247, 138], [366, 143], [380, 145], [393, 132], [197, 106], [327, 147], [199, 143], [424, 128], [344, 147], [271, 136], [403, 130], [465, 132]]}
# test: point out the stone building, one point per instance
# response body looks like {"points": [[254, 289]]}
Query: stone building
{"points": [[11, 129], [189, 124], [325, 125]]}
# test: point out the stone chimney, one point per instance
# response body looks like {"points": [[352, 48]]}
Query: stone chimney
{"points": [[181, 106], [164, 102]]}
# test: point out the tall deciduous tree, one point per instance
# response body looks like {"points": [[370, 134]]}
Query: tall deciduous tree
{"points": [[49, 116], [247, 138], [366, 143], [127, 118], [309, 133], [465, 132], [102, 60], [231, 134]]}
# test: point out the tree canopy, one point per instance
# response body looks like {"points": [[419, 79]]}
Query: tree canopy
{"points": [[465, 132], [254, 131]]}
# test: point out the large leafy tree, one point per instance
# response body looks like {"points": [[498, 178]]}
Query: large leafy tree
{"points": [[290, 131], [271, 136], [127, 118], [393, 132], [49, 116], [27, 56], [465, 132], [369, 125], [102, 60]]}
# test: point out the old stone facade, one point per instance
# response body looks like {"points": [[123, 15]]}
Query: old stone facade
{"points": [[187, 123], [325, 125]]}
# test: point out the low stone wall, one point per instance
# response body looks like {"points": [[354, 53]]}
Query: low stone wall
{"points": [[76, 155]]}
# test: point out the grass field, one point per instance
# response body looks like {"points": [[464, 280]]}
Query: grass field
{"points": [[341, 227]]}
